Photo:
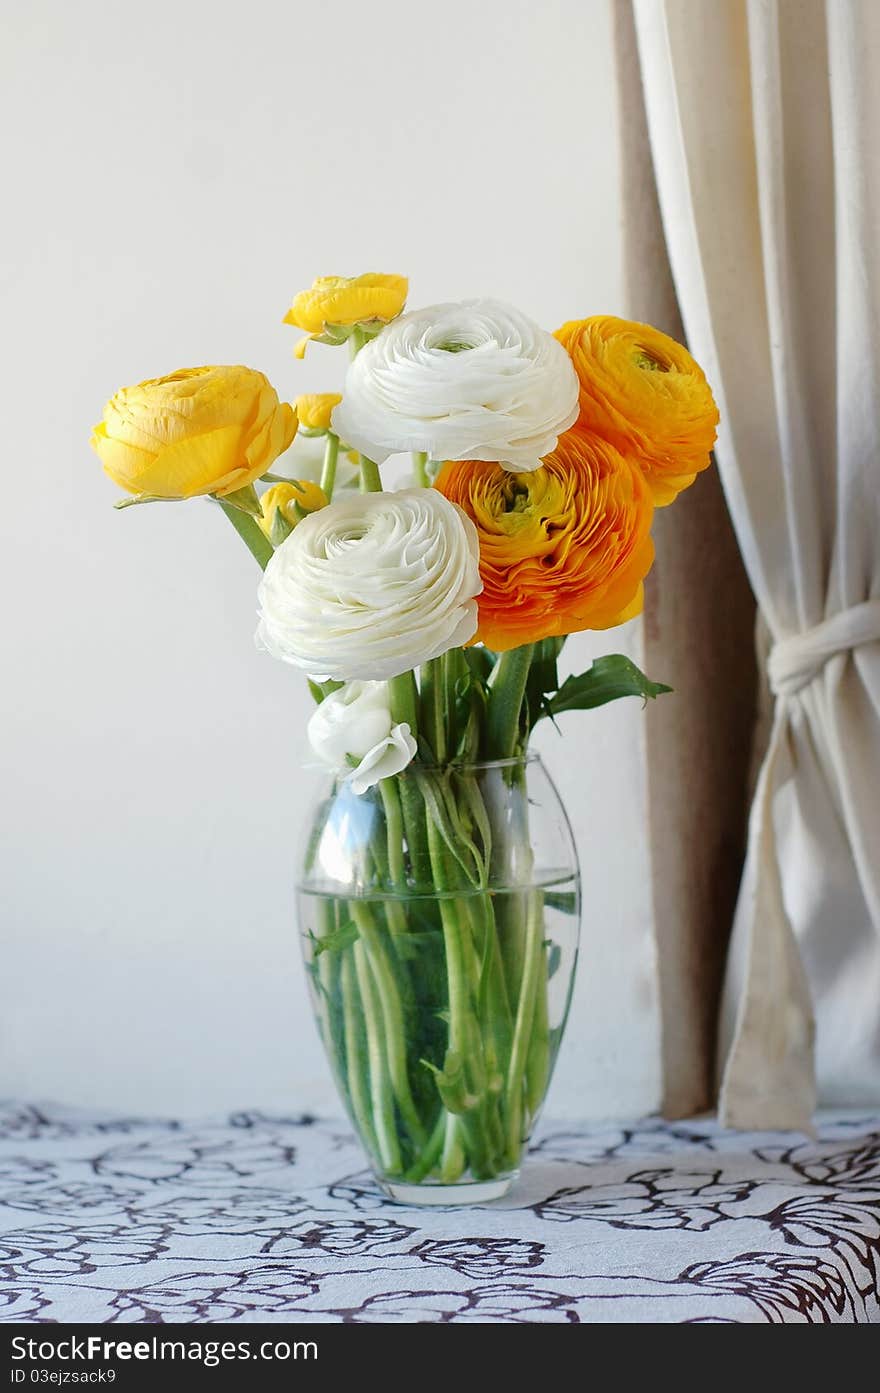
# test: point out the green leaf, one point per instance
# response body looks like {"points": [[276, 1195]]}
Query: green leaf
{"points": [[445, 814], [334, 334], [280, 529], [481, 661], [451, 1083], [411, 947], [337, 939], [426, 753], [554, 958], [607, 679], [543, 678], [461, 699], [320, 690], [132, 502], [246, 500], [564, 900]]}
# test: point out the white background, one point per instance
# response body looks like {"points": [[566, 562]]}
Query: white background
{"points": [[174, 173]]}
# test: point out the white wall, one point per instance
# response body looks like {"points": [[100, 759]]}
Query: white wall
{"points": [[173, 175]]}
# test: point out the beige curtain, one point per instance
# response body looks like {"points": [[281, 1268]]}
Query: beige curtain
{"points": [[763, 118], [698, 743]]}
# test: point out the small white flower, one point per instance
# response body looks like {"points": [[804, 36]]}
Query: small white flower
{"points": [[389, 757], [350, 721], [372, 585], [356, 723], [476, 380]]}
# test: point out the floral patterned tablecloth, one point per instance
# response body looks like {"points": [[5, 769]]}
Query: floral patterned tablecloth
{"points": [[253, 1217]]}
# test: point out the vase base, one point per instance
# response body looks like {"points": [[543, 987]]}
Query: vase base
{"points": [[466, 1192]]}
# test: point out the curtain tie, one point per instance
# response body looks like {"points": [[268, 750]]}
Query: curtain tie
{"points": [[769, 1077], [794, 661]]}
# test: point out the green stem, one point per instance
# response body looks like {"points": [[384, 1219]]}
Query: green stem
{"points": [[525, 1013], [413, 809], [494, 1003], [464, 1037], [404, 709], [394, 832], [458, 1001], [380, 1084], [447, 702], [538, 1060], [371, 479], [326, 973], [430, 1152], [386, 852], [326, 966], [431, 704], [251, 534], [328, 472], [454, 1159], [404, 703], [420, 468], [375, 863], [507, 686], [505, 796], [358, 1090], [392, 1014]]}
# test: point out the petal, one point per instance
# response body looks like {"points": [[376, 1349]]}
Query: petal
{"points": [[632, 610], [665, 488], [387, 758], [199, 465], [126, 465]]}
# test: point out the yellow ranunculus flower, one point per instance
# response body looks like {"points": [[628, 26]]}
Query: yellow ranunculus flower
{"points": [[285, 498], [342, 301], [315, 409], [197, 431]]}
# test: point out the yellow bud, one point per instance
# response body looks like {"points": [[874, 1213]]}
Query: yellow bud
{"points": [[340, 302], [315, 409], [292, 500]]}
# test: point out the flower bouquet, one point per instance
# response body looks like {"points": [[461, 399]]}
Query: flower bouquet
{"points": [[438, 888]]}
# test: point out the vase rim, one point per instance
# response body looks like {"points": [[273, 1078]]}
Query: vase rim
{"points": [[468, 767]]}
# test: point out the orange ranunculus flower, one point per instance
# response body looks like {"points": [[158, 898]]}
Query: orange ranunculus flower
{"points": [[562, 548], [645, 393]]}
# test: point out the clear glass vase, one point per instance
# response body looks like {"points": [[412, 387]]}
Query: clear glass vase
{"points": [[439, 915]]}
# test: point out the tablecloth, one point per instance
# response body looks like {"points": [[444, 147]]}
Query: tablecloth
{"points": [[261, 1218]]}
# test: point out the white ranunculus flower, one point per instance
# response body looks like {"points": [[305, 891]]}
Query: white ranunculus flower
{"points": [[356, 722], [476, 380], [372, 585]]}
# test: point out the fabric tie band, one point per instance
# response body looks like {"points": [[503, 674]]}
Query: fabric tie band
{"points": [[775, 1019], [794, 661]]}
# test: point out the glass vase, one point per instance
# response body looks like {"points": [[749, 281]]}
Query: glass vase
{"points": [[439, 914]]}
